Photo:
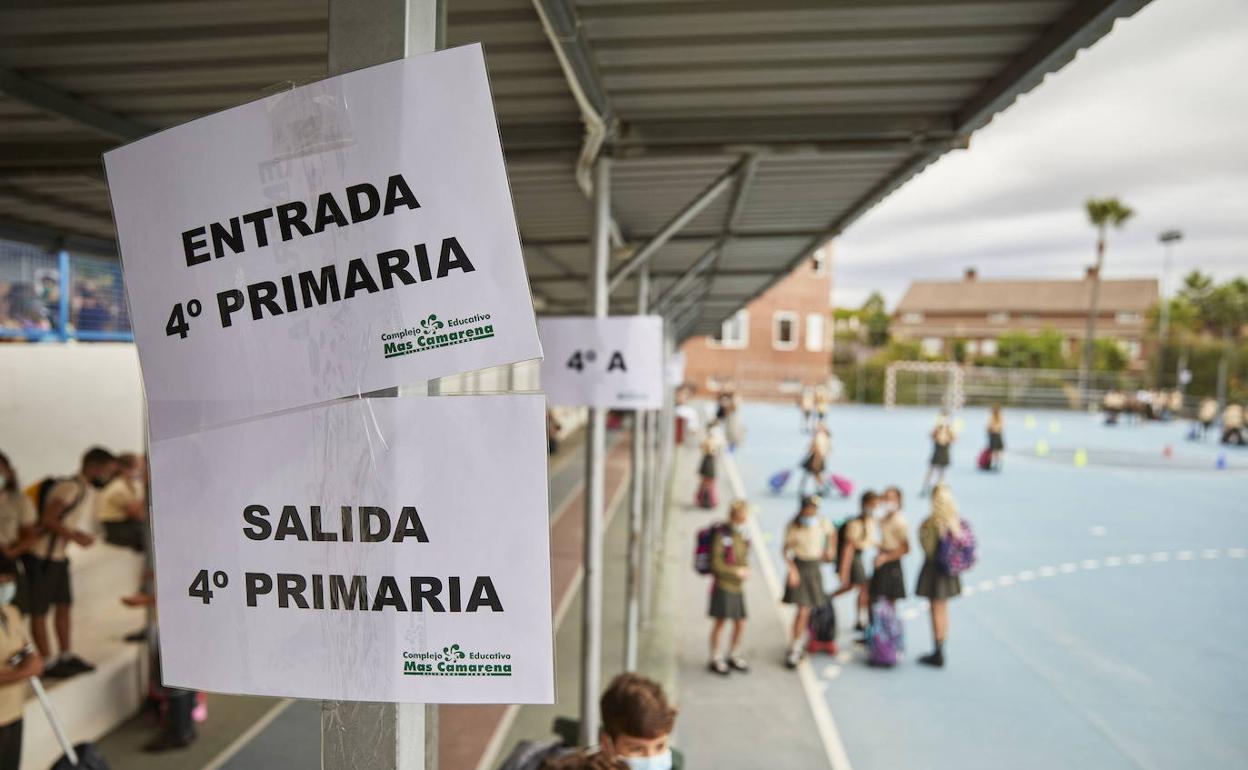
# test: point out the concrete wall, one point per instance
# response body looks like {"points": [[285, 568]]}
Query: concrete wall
{"points": [[56, 400]]}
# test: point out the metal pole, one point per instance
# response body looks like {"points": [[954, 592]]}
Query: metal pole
{"points": [[381, 736], [632, 609], [1167, 239], [647, 521], [595, 475], [62, 301]]}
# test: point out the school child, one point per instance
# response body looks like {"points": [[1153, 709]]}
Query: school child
{"points": [[806, 402], [21, 661], [934, 584], [809, 540], [942, 438], [996, 437], [1207, 414], [857, 535], [816, 461], [823, 399], [887, 580], [730, 559], [706, 473]]}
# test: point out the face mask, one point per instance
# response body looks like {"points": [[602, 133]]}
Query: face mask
{"points": [[99, 483], [808, 520], [8, 592], [658, 762]]}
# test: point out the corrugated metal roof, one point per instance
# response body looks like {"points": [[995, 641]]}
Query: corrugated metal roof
{"points": [[839, 101]]}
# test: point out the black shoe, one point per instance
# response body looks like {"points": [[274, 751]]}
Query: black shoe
{"points": [[137, 636], [793, 658], [58, 670], [75, 665], [739, 663], [166, 742], [936, 659], [718, 666]]}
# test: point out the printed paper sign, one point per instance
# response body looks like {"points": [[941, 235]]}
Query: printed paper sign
{"points": [[379, 549], [609, 363], [337, 238]]}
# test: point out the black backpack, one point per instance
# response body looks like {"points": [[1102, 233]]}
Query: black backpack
{"points": [[823, 623], [42, 494]]}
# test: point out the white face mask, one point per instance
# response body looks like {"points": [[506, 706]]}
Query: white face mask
{"points": [[8, 592], [657, 762]]}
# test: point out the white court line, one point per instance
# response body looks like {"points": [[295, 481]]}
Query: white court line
{"points": [[249, 734], [1236, 553], [1047, 571], [1211, 553], [1026, 576], [1113, 561], [1090, 564], [1005, 581], [1136, 558], [1068, 567], [985, 585], [815, 690], [1160, 556], [831, 671], [1184, 555], [968, 591]]}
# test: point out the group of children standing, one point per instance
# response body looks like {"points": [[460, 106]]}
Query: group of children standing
{"points": [[811, 541]]}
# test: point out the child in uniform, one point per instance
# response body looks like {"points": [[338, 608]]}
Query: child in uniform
{"points": [[809, 540], [859, 535], [730, 559], [934, 584], [887, 581]]}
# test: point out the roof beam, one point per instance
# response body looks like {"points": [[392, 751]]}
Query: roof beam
{"points": [[61, 104], [572, 47], [1085, 23], [51, 238], [676, 223]]}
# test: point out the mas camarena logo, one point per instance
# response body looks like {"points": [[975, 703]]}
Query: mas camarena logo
{"points": [[456, 661], [433, 332]]}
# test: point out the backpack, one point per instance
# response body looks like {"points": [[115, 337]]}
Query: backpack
{"points": [[823, 626], [956, 553], [702, 548], [532, 755], [39, 493], [885, 636]]}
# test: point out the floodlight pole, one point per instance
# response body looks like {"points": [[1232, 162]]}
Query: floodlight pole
{"points": [[595, 473], [356, 735], [632, 605], [1167, 240]]}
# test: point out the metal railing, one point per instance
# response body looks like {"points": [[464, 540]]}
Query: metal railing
{"points": [[57, 297]]}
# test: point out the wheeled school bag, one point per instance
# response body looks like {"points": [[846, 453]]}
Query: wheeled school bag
{"points": [[778, 480], [822, 629], [702, 547], [843, 485], [957, 553], [82, 756], [885, 636], [706, 496], [985, 460]]}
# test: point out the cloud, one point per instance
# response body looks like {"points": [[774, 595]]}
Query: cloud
{"points": [[1155, 113]]}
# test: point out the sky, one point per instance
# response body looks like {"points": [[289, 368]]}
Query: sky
{"points": [[1155, 113]]}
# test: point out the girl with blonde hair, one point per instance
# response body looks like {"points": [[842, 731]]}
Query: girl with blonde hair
{"points": [[935, 584]]}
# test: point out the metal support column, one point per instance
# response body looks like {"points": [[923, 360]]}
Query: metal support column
{"points": [[64, 283], [595, 475], [647, 520], [632, 591], [381, 736]]}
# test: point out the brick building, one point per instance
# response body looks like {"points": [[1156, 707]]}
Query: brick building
{"points": [[935, 313], [776, 343]]}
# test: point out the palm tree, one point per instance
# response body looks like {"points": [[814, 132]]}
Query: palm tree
{"points": [[1102, 212]]}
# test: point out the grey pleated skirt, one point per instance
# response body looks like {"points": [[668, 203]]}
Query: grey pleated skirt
{"points": [[726, 605], [809, 590], [935, 584]]}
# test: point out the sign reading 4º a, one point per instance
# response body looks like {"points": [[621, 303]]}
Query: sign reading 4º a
{"points": [[609, 363]]}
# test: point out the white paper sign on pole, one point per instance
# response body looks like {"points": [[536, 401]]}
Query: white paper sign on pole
{"points": [[390, 550], [676, 369], [609, 363], [338, 238]]}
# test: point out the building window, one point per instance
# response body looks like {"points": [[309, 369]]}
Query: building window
{"points": [[784, 330], [998, 318], [819, 260], [814, 332], [1127, 317], [987, 347], [735, 332], [932, 346], [912, 318]]}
